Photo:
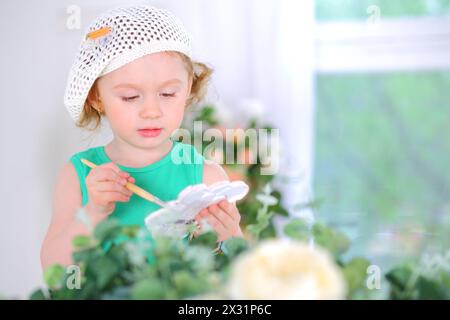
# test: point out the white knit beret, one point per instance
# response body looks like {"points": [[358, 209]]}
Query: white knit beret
{"points": [[116, 38]]}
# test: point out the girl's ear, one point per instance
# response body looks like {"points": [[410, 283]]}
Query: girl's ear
{"points": [[95, 104], [191, 77], [94, 100], [189, 95]]}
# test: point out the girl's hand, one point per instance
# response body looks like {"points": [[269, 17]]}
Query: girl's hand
{"points": [[224, 218], [106, 186]]}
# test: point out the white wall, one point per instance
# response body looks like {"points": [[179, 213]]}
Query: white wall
{"points": [[37, 135]]}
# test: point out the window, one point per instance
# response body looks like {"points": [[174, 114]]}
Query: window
{"points": [[382, 151]]}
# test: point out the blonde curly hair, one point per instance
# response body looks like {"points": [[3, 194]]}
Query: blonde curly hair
{"points": [[90, 117]]}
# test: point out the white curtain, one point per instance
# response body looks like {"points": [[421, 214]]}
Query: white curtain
{"points": [[263, 54]]}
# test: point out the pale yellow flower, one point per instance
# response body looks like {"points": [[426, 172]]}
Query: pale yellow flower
{"points": [[285, 269]]}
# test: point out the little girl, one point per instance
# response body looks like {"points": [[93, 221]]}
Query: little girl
{"points": [[134, 68]]}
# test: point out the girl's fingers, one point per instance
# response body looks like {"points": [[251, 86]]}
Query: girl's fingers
{"points": [[122, 177], [201, 214], [222, 216], [204, 212], [109, 175], [113, 186], [110, 171], [115, 196], [230, 209], [105, 174], [217, 226], [124, 174], [112, 166], [121, 174]]}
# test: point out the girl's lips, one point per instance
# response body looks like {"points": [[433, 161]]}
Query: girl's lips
{"points": [[154, 132]]}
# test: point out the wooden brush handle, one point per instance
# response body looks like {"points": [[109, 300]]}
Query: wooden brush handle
{"points": [[134, 188]]}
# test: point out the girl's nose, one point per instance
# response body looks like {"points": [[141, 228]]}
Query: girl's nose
{"points": [[151, 110]]}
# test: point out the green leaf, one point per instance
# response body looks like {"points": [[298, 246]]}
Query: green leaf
{"points": [[81, 242], [199, 258], [278, 208], [130, 231], [399, 276], [87, 291], [187, 284], [297, 229], [313, 204], [336, 242], [107, 230], [262, 220], [421, 287], [266, 199], [118, 293], [431, 290], [445, 279], [191, 228], [233, 246], [355, 273], [62, 294], [38, 295], [101, 270], [119, 255], [148, 289], [83, 256], [208, 239], [53, 275], [253, 228]]}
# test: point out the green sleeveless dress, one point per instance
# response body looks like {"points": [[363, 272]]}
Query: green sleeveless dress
{"points": [[180, 167]]}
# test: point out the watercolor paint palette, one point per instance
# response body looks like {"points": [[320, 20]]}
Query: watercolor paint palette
{"points": [[174, 219]]}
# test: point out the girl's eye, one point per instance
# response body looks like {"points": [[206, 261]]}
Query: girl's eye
{"points": [[166, 95], [129, 98]]}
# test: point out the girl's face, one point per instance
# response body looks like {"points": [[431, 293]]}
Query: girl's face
{"points": [[149, 92]]}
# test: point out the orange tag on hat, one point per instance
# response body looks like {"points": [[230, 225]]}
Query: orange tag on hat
{"points": [[98, 33]]}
